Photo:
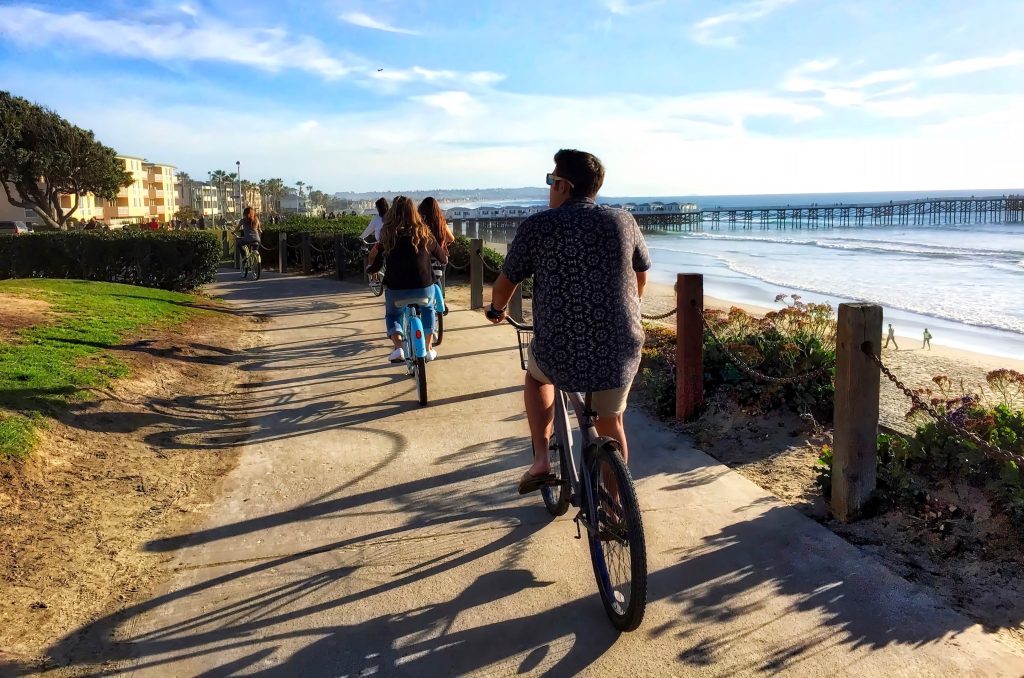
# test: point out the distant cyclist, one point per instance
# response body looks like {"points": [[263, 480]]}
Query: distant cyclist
{"points": [[589, 265], [249, 230]]}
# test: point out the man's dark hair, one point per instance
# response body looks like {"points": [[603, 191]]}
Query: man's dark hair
{"points": [[382, 206], [583, 169]]}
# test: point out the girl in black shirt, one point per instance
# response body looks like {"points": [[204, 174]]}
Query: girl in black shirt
{"points": [[407, 247]]}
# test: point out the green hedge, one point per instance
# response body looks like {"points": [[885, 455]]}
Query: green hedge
{"points": [[348, 225], [167, 260]]}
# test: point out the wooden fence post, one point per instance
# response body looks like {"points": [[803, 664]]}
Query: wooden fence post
{"points": [[282, 252], [515, 304], [689, 344], [855, 436], [307, 255], [476, 274], [339, 256]]}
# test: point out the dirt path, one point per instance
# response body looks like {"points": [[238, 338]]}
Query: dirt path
{"points": [[123, 466]]}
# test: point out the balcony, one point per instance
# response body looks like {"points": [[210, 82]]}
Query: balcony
{"points": [[123, 212]]}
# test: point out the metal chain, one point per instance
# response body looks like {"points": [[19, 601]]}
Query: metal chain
{"points": [[751, 372], [987, 447], [659, 317], [458, 268]]}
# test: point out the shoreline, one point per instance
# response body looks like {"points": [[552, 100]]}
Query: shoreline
{"points": [[659, 297]]}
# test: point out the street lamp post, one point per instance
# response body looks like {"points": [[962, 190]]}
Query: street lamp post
{"points": [[238, 173]]}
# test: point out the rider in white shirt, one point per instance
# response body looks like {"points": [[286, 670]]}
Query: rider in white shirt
{"points": [[377, 222]]}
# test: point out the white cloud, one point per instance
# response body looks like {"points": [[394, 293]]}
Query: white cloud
{"points": [[976, 65], [714, 30], [269, 49], [367, 21], [862, 92], [461, 104], [625, 7], [473, 79]]}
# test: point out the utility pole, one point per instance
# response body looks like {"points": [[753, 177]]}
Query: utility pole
{"points": [[238, 173]]}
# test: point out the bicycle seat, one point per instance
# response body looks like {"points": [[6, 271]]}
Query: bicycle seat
{"points": [[406, 301]]}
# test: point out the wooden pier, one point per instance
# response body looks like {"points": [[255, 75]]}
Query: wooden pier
{"points": [[936, 211]]}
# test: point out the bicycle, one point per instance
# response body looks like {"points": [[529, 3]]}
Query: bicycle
{"points": [[414, 341], [251, 262], [374, 280], [601, 487]]}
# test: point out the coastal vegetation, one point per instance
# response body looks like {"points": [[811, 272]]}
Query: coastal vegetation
{"points": [[49, 364], [178, 260], [933, 472], [796, 341]]}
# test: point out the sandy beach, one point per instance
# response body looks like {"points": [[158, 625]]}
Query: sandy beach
{"points": [[912, 364]]}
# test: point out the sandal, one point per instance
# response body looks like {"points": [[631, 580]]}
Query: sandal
{"points": [[529, 483]]}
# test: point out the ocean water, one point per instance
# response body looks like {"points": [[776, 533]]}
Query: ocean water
{"points": [[964, 282]]}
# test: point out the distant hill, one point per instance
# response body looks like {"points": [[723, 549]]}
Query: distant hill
{"points": [[454, 195]]}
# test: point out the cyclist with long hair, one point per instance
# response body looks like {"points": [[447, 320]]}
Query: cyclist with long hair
{"points": [[433, 215], [406, 248], [249, 230]]}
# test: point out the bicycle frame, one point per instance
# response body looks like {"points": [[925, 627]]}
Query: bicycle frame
{"points": [[579, 483]]}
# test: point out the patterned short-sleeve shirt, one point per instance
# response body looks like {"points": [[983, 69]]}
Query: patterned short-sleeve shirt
{"points": [[586, 312]]}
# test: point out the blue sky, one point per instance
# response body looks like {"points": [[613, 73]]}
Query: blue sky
{"points": [[678, 97]]}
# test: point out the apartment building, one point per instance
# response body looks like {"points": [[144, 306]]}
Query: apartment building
{"points": [[161, 189]]}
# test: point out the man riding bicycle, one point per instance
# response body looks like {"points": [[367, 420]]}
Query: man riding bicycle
{"points": [[589, 264]]}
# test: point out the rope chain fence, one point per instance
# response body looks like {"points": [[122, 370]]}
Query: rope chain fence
{"points": [[945, 420], [661, 316], [751, 372], [490, 268]]}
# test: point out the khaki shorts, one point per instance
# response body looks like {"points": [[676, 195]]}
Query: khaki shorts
{"points": [[608, 403]]}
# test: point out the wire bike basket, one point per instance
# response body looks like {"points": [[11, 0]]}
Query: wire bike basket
{"points": [[525, 333]]}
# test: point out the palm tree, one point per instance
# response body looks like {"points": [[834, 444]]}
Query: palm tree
{"points": [[217, 178], [186, 188]]}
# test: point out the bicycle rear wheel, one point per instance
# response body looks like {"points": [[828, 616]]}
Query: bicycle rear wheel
{"points": [[420, 371], [617, 548], [257, 267]]}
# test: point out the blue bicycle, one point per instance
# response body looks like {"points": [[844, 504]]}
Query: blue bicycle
{"points": [[414, 340], [601, 487]]}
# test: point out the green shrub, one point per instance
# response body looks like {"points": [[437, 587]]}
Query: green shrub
{"points": [[798, 339], [181, 260], [907, 467], [347, 225]]}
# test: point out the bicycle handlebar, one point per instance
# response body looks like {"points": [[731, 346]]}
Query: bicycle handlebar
{"points": [[518, 325]]}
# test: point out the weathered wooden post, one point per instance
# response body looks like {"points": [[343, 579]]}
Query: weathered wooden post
{"points": [[282, 252], [307, 255], [855, 436], [515, 304], [225, 250], [689, 344], [238, 254], [339, 255], [476, 273]]}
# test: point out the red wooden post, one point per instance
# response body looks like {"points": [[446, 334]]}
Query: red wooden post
{"points": [[689, 344]]}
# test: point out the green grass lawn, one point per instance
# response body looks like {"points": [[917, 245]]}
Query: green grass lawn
{"points": [[49, 365]]}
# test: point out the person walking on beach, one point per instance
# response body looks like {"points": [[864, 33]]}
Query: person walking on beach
{"points": [[927, 339], [891, 337], [589, 264]]}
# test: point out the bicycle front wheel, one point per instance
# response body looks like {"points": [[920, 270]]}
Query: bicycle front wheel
{"points": [[439, 329], [376, 286], [617, 548]]}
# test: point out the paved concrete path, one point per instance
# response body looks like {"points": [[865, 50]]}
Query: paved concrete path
{"points": [[364, 535]]}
